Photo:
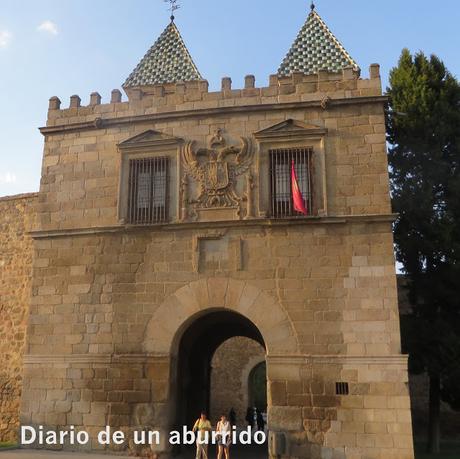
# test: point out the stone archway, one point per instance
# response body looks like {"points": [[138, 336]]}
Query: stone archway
{"points": [[197, 346], [190, 316], [175, 314]]}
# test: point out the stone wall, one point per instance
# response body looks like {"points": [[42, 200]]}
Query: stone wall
{"points": [[127, 294], [15, 262], [82, 142], [231, 366], [17, 215]]}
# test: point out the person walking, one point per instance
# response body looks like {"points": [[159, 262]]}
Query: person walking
{"points": [[203, 428], [223, 431], [250, 416], [232, 417], [260, 421]]}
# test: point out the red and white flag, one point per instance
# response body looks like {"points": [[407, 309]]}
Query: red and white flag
{"points": [[297, 198]]}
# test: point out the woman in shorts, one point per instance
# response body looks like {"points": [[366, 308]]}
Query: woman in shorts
{"points": [[224, 432]]}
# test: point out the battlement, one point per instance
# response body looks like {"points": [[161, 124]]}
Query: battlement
{"points": [[195, 95]]}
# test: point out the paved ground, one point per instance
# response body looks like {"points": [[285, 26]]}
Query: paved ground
{"points": [[237, 453], [32, 454]]}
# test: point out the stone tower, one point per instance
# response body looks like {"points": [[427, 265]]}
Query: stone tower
{"points": [[166, 227]]}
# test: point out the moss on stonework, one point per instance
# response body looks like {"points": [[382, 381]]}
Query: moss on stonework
{"points": [[8, 444]]}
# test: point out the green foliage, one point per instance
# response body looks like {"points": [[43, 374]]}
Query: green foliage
{"points": [[8, 444], [423, 126], [449, 450]]}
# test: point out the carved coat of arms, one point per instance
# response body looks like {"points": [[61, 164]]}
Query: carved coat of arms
{"points": [[216, 170]]}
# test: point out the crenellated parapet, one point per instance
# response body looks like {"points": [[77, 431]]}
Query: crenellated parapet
{"points": [[323, 86]]}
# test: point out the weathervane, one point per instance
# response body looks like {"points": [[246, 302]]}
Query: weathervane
{"points": [[174, 7]]}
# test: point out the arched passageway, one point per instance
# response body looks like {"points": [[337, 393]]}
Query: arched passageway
{"points": [[196, 348], [232, 364]]}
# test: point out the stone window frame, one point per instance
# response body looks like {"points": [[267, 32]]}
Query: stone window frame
{"points": [[290, 135], [150, 144]]}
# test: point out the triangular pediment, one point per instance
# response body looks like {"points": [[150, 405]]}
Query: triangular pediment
{"points": [[290, 128], [148, 139]]}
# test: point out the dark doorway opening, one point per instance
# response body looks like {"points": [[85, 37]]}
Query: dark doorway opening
{"points": [[257, 389], [195, 351]]}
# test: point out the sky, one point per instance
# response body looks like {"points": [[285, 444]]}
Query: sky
{"points": [[65, 47]]}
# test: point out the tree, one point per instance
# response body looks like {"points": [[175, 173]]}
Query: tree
{"points": [[423, 130]]}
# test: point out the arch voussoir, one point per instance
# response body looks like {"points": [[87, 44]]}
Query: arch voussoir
{"points": [[217, 291], [281, 338], [247, 299], [265, 310], [234, 290], [201, 293], [158, 332], [187, 297], [242, 297]]}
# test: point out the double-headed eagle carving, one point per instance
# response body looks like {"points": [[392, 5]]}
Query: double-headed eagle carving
{"points": [[216, 170]]}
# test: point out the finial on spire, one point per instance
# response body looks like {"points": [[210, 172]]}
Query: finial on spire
{"points": [[174, 7], [312, 6]]}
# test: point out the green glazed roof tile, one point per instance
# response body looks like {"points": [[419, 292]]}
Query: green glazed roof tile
{"points": [[167, 61], [316, 48]]}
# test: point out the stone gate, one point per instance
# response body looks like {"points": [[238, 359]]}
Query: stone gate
{"points": [[166, 226]]}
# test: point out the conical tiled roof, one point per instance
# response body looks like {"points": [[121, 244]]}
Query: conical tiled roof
{"points": [[316, 48], [167, 61]]}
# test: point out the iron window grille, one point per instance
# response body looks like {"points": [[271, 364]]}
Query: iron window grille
{"points": [[148, 190], [342, 388], [280, 180]]}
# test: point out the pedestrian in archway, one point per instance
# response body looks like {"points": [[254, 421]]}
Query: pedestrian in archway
{"points": [[223, 431], [232, 417], [250, 416], [260, 421], [203, 428]]}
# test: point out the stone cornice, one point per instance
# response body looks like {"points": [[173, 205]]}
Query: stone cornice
{"points": [[398, 359], [253, 223], [293, 359], [101, 123], [101, 359]]}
